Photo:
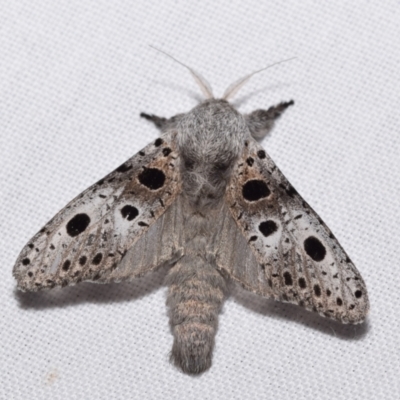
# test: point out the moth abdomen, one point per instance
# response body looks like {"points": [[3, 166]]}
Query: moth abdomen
{"points": [[195, 297]]}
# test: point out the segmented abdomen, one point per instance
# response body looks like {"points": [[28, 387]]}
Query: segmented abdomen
{"points": [[195, 297]]}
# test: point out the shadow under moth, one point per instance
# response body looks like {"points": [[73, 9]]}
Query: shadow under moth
{"points": [[206, 200]]}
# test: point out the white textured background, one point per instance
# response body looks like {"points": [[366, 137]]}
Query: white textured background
{"points": [[74, 76]]}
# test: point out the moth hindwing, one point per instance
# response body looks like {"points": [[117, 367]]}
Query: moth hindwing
{"points": [[206, 200]]}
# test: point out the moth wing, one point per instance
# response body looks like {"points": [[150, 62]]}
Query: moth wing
{"points": [[112, 231], [284, 249]]}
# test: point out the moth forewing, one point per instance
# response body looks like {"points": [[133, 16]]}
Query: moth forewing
{"points": [[88, 238], [298, 256]]}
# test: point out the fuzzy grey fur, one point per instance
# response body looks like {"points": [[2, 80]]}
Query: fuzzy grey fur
{"points": [[210, 139]]}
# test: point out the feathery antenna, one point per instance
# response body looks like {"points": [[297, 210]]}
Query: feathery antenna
{"points": [[201, 81], [235, 86]]}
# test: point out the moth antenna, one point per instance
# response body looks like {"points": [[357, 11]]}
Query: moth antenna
{"points": [[200, 80], [235, 86]]}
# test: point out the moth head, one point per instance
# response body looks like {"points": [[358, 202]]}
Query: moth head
{"points": [[210, 136]]}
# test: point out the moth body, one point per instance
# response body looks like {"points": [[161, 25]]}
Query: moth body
{"points": [[206, 200], [209, 139]]}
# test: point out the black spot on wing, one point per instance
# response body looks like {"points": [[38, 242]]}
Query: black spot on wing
{"points": [[97, 259], [255, 189], [82, 260], [302, 283], [152, 178], [358, 293], [26, 261], [268, 227], [66, 265], [317, 290], [261, 154], [129, 212], [288, 279], [250, 161], [77, 224], [158, 142], [314, 248], [166, 152], [124, 167]]}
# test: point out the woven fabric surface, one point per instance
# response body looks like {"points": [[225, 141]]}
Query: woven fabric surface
{"points": [[74, 76]]}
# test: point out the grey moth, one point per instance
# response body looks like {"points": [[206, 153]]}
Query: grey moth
{"points": [[206, 201]]}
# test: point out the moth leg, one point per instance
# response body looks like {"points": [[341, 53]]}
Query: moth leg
{"points": [[260, 122], [163, 124]]}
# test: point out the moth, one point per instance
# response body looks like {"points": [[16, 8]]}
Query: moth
{"points": [[206, 201]]}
